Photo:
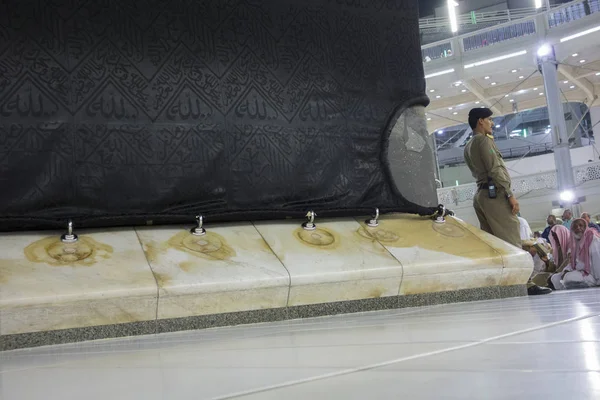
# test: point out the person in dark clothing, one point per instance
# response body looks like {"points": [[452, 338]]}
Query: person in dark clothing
{"points": [[551, 220], [588, 219]]}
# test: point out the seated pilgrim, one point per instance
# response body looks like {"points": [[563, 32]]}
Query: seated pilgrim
{"points": [[583, 270]]}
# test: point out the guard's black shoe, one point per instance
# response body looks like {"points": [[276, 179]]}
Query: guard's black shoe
{"points": [[536, 290]]}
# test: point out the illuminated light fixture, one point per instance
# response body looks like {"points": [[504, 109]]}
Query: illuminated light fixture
{"points": [[440, 132], [522, 91], [535, 88], [513, 71], [428, 119], [464, 90], [521, 77], [457, 84], [544, 50], [498, 126], [454, 113], [449, 108], [494, 59], [575, 54], [572, 87], [542, 93], [452, 14], [432, 90], [438, 97], [505, 95], [538, 3], [597, 73], [567, 195], [582, 61], [493, 83], [565, 82], [512, 100], [579, 34], [477, 102], [486, 78], [444, 72]]}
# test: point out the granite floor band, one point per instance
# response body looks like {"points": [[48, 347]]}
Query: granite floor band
{"points": [[36, 339]]}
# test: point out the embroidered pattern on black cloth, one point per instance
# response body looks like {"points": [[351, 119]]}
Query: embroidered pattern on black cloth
{"points": [[117, 112]]}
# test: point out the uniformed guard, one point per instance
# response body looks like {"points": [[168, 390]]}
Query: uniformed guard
{"points": [[494, 203]]}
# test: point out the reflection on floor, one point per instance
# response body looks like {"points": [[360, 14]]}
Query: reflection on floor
{"points": [[547, 347]]}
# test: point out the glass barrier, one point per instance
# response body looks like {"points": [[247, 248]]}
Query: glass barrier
{"points": [[491, 37]]}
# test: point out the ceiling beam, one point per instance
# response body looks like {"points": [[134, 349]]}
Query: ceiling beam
{"points": [[585, 85], [480, 93]]}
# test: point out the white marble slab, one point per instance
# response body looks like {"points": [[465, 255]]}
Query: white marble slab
{"points": [[332, 263], [103, 279], [229, 269], [518, 264], [437, 257]]}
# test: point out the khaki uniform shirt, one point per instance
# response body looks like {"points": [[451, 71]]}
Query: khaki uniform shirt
{"points": [[485, 160]]}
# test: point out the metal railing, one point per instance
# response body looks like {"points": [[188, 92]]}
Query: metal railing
{"points": [[496, 27], [515, 152], [572, 12], [520, 185]]}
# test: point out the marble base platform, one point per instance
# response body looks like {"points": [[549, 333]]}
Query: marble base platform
{"points": [[123, 282]]}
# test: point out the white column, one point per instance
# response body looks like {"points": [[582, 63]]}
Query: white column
{"points": [[560, 136], [595, 116]]}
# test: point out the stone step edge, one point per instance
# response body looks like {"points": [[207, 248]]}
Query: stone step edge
{"points": [[73, 335]]}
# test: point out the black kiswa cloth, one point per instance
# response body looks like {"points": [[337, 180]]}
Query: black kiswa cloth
{"points": [[235, 109]]}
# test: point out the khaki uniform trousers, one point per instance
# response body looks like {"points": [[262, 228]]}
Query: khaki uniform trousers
{"points": [[495, 217]]}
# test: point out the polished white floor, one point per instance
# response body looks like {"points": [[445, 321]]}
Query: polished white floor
{"points": [[545, 347]]}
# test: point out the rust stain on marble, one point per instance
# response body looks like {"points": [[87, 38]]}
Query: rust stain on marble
{"points": [[162, 279], [450, 237], [85, 252], [211, 246], [320, 238]]}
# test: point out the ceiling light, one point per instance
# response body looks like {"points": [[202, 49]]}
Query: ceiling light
{"points": [[455, 113], [542, 93], [565, 82], [597, 73], [432, 90], [464, 90], [438, 97], [444, 72], [538, 3], [582, 61], [513, 71], [428, 119], [582, 33], [487, 77], [477, 102], [522, 91], [449, 108], [572, 87], [512, 100], [494, 59], [544, 50], [452, 14], [575, 54], [457, 84], [505, 95], [440, 132], [497, 126], [521, 77], [535, 88], [493, 83]]}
